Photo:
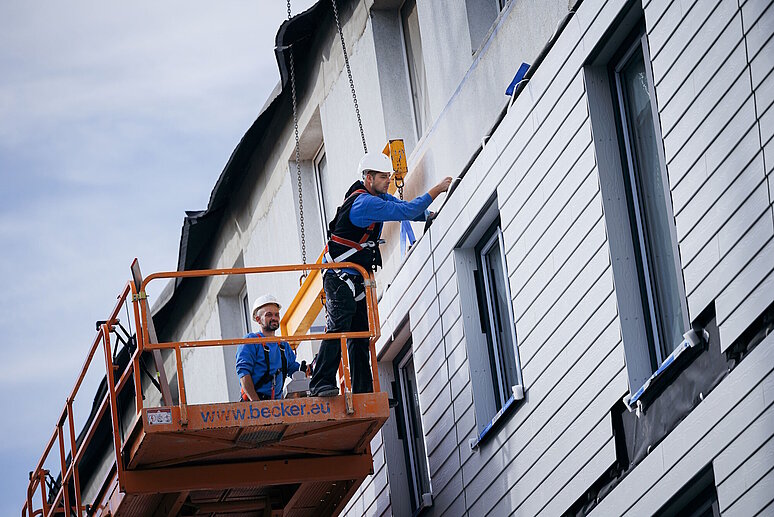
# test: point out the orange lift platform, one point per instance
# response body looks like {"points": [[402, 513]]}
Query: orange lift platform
{"points": [[292, 457]]}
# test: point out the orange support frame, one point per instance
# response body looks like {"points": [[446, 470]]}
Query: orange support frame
{"points": [[306, 305], [70, 473]]}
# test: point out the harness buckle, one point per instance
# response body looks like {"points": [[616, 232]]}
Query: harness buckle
{"points": [[142, 295]]}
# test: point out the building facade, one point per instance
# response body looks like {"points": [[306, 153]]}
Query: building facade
{"points": [[620, 198]]}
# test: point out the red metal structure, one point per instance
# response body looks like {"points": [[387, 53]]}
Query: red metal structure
{"points": [[302, 456]]}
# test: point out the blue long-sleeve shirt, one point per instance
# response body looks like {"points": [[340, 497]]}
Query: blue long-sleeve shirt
{"points": [[251, 360], [384, 207], [369, 209]]}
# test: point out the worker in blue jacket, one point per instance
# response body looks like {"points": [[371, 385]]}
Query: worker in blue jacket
{"points": [[262, 367], [353, 236]]}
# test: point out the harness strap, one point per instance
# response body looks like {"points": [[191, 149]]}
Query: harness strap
{"points": [[368, 231], [345, 277], [284, 356], [268, 375], [346, 242], [354, 248], [358, 192]]}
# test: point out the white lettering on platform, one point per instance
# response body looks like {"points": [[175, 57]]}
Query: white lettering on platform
{"points": [[157, 416]]}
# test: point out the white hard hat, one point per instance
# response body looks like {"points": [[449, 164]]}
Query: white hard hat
{"points": [[265, 299], [377, 162]]}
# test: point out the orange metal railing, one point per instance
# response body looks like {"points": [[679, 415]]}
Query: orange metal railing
{"points": [[70, 473], [372, 333]]}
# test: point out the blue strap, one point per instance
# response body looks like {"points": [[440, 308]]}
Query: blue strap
{"points": [[406, 234]]}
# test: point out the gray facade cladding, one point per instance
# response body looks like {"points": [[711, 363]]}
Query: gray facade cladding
{"points": [[551, 177]]}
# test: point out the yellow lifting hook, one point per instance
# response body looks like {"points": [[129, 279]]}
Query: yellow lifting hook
{"points": [[397, 153]]}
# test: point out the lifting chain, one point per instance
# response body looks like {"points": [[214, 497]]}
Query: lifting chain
{"points": [[349, 73], [298, 152]]}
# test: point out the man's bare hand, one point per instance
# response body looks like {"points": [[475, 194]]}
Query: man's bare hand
{"points": [[443, 186]]}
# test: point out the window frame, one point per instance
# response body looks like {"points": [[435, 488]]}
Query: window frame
{"points": [[244, 301], [482, 17], [419, 131], [694, 498], [318, 157], [503, 392], [651, 296], [489, 412], [412, 455]]}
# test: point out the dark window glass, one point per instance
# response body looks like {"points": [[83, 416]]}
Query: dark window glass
{"points": [[246, 309], [416, 65], [322, 181], [650, 204], [698, 498], [500, 331], [415, 440]]}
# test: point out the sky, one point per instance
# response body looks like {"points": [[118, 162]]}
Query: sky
{"points": [[115, 118]]}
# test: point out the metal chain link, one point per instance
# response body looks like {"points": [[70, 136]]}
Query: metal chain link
{"points": [[298, 152], [349, 74]]}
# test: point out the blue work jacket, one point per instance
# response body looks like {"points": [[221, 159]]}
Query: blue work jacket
{"points": [[251, 360], [368, 209]]}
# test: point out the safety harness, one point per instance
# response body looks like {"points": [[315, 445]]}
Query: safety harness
{"points": [[268, 375], [350, 243]]}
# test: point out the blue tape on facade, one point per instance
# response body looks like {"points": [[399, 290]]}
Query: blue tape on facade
{"points": [[682, 347], [491, 424]]}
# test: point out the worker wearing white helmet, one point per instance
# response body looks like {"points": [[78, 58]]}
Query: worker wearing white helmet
{"points": [[262, 367], [353, 236]]}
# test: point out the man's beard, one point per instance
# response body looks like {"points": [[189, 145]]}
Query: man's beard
{"points": [[271, 325]]}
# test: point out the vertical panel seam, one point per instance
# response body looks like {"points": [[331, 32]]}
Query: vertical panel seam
{"points": [[754, 96]]}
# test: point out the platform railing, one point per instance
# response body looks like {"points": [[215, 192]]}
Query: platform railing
{"points": [[70, 473], [372, 334]]}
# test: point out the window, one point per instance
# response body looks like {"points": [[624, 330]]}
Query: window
{"points": [[412, 435], [488, 321], [234, 318], [496, 308], [248, 318], [698, 498], [636, 199], [649, 202], [416, 66], [323, 187], [481, 15]]}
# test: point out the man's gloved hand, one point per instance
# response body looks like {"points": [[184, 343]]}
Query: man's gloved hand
{"points": [[303, 367]]}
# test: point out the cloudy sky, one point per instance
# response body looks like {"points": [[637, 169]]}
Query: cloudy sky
{"points": [[115, 118]]}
